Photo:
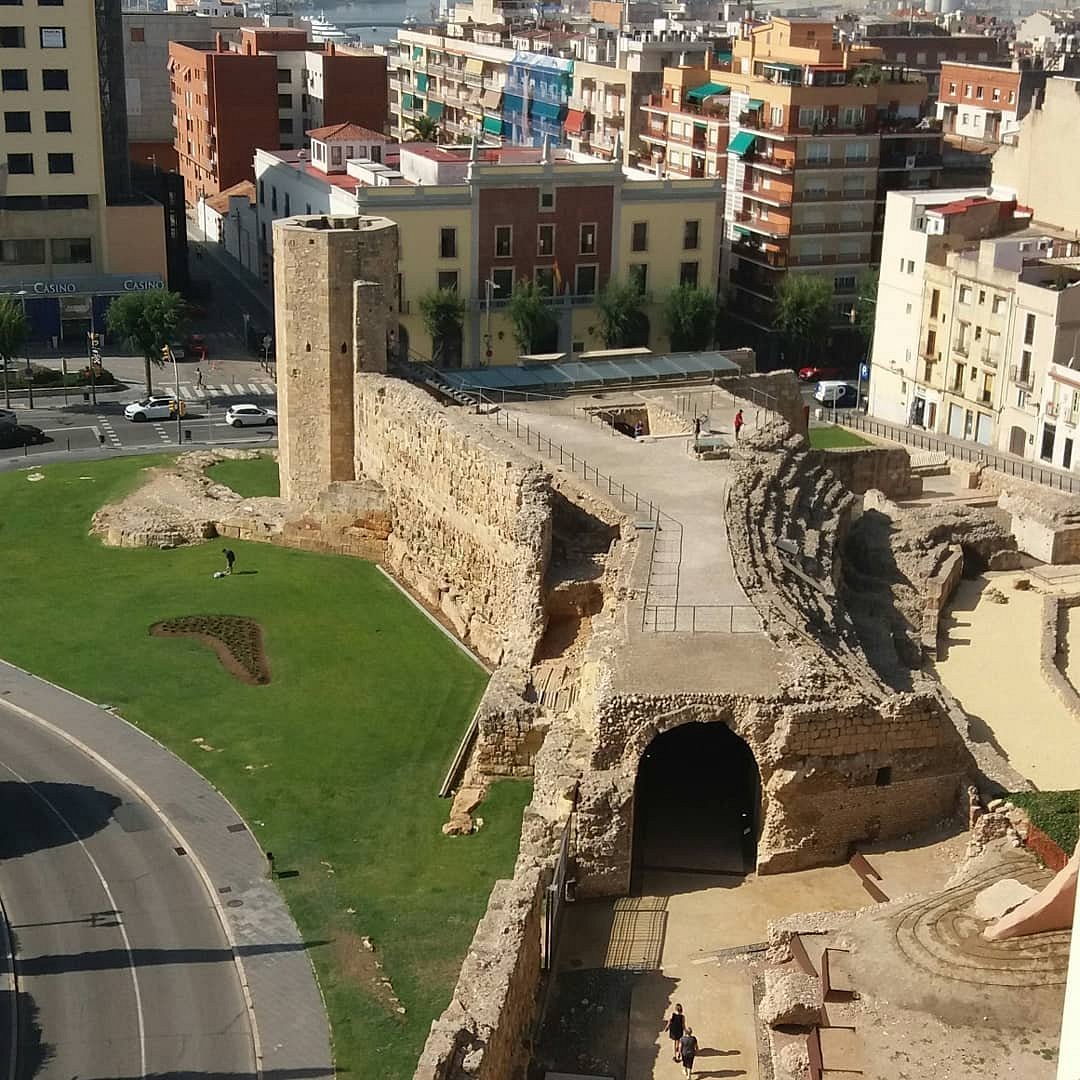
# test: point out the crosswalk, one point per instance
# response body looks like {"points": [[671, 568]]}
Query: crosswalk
{"points": [[193, 392]]}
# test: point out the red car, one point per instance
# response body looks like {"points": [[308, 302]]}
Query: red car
{"points": [[815, 373]]}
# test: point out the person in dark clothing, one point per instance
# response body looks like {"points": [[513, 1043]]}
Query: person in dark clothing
{"points": [[675, 1025], [230, 558], [688, 1051], [697, 426]]}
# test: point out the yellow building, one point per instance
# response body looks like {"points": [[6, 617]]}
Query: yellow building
{"points": [[480, 221], [72, 234]]}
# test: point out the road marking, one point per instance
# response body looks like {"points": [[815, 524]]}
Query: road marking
{"points": [[215, 391], [74, 427], [164, 435], [112, 904], [107, 427]]}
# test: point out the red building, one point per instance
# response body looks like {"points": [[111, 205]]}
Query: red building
{"points": [[264, 92]]}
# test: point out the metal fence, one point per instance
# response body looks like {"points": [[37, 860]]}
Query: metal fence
{"points": [[555, 898], [964, 451]]}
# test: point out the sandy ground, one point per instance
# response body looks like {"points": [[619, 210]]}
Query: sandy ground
{"points": [[992, 668]]}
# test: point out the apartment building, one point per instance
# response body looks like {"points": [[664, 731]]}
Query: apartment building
{"points": [[482, 219], [264, 90], [925, 54], [984, 103], [1049, 35], [819, 132], [72, 233], [686, 127]]}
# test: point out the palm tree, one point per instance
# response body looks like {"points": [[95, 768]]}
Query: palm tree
{"points": [[424, 129], [14, 333]]}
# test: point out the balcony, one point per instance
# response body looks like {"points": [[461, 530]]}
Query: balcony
{"points": [[961, 348], [832, 258], [751, 252], [755, 283], [1051, 408], [776, 194], [771, 161], [990, 360], [911, 161], [779, 226], [1022, 376], [818, 228]]}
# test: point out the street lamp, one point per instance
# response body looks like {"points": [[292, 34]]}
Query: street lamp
{"points": [[167, 355], [22, 294], [152, 158], [490, 286], [852, 317]]}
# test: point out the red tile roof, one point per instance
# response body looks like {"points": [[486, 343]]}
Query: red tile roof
{"points": [[346, 131]]}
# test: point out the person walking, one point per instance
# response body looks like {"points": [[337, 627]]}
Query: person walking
{"points": [[230, 558], [697, 426], [198, 378], [675, 1026], [738, 424], [688, 1051]]}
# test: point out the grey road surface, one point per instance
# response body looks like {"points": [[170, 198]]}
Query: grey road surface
{"points": [[123, 969]]}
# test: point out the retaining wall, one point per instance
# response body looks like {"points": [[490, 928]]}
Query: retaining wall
{"points": [[1053, 646], [862, 468]]}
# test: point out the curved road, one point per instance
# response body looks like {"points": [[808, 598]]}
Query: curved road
{"points": [[122, 965]]}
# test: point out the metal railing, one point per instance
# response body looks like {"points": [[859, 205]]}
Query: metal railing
{"points": [[1048, 476], [555, 897]]}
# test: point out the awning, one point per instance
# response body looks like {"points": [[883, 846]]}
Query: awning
{"points": [[755, 103], [513, 103], [741, 143], [547, 110], [434, 110], [474, 67], [492, 99], [575, 121], [492, 125], [408, 101], [710, 89], [421, 82], [417, 52]]}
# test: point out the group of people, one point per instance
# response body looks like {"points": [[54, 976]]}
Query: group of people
{"points": [[699, 423], [683, 1043]]}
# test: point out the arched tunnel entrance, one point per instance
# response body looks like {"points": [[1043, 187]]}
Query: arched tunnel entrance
{"points": [[697, 803]]}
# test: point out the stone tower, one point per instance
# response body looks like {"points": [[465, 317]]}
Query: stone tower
{"points": [[336, 296]]}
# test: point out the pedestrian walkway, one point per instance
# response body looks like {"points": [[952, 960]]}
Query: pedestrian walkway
{"points": [[294, 1034], [194, 392]]}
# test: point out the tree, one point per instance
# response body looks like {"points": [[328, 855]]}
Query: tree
{"points": [[14, 333], [865, 307], [690, 315], [443, 312], [147, 321], [623, 323], [804, 310], [424, 129], [536, 326]]}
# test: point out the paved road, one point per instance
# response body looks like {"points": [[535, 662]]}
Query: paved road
{"points": [[123, 968]]}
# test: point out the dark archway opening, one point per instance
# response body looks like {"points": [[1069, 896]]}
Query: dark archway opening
{"points": [[697, 803]]}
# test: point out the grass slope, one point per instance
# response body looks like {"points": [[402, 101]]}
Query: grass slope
{"points": [[335, 764], [253, 479], [1057, 813], [831, 438]]}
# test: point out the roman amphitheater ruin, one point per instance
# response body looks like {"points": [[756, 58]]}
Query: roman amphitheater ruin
{"points": [[767, 615]]}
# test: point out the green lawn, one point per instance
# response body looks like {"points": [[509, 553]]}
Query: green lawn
{"points": [[1057, 813], [253, 479], [335, 764], [831, 438]]}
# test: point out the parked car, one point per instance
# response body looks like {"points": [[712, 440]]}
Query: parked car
{"points": [[249, 416], [12, 435], [836, 395], [817, 372], [154, 408], [7, 418]]}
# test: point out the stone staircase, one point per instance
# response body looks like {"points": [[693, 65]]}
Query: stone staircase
{"points": [[422, 372]]}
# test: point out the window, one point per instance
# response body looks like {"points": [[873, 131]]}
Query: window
{"points": [[965, 294], [273, 199], [57, 121], [585, 280], [503, 280], [545, 240], [138, 34], [448, 279], [284, 127], [12, 37], [982, 297], [998, 305], [688, 273], [691, 230], [844, 283], [284, 75], [910, 266], [71, 251], [639, 236], [851, 117], [288, 210], [809, 115], [504, 241], [952, 88], [996, 94], [978, 93], [53, 37], [547, 199], [262, 192], [53, 79], [448, 243], [587, 240], [284, 101], [1046, 450], [50, 3], [856, 152], [22, 252], [1029, 330], [1012, 97], [967, 89], [639, 274], [16, 121], [935, 303], [335, 155], [20, 164], [817, 153], [14, 79], [61, 163], [776, 116], [544, 277]]}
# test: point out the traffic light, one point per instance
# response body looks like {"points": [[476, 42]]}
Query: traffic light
{"points": [[165, 355], [95, 340]]}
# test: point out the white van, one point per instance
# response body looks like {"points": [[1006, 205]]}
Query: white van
{"points": [[836, 394]]}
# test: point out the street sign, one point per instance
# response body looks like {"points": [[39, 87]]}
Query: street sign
{"points": [[267, 341], [864, 371]]}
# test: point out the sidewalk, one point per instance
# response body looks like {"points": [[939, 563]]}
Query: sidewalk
{"points": [[285, 1001]]}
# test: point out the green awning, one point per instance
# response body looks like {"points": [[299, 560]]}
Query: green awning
{"points": [[755, 103], [421, 82], [710, 89], [492, 125], [741, 143], [434, 109], [408, 101]]}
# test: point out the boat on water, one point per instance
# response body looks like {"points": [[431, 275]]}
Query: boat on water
{"points": [[324, 31]]}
